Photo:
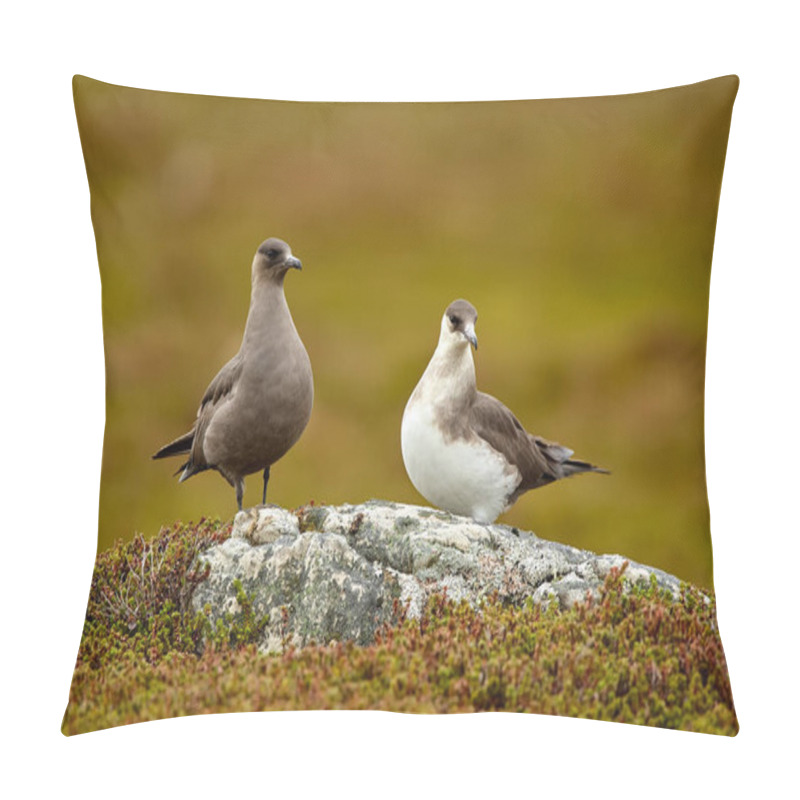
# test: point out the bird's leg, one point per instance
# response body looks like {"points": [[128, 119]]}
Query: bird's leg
{"points": [[239, 491], [266, 481]]}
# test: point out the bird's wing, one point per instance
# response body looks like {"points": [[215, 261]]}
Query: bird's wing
{"points": [[218, 390], [495, 424], [538, 460], [223, 383]]}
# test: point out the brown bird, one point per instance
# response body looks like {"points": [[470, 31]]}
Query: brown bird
{"points": [[463, 450], [260, 402]]}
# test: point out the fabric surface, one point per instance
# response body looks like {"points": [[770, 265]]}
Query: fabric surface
{"points": [[581, 229]]}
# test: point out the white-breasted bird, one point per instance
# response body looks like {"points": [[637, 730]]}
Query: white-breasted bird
{"points": [[463, 450]]}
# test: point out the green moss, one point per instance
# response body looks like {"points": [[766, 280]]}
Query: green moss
{"points": [[634, 655]]}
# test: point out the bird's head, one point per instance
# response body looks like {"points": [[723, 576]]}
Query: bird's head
{"points": [[458, 323], [273, 259]]}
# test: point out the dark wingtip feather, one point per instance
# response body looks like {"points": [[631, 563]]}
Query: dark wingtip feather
{"points": [[179, 447], [577, 467]]}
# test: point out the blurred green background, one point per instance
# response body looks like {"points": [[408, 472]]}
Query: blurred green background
{"points": [[582, 231]]}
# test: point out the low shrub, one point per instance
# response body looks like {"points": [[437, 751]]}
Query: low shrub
{"points": [[630, 654]]}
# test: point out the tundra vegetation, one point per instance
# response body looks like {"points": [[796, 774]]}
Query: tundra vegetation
{"points": [[629, 654]]}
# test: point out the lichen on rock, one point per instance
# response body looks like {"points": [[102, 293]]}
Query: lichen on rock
{"points": [[334, 573]]}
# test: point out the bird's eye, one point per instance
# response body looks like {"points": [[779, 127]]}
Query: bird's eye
{"points": [[455, 320], [272, 253]]}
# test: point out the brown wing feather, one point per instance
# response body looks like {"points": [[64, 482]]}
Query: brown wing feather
{"points": [[495, 423], [538, 460], [218, 390], [177, 447], [223, 382]]}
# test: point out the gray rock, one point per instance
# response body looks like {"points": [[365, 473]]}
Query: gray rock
{"points": [[264, 524], [334, 573]]}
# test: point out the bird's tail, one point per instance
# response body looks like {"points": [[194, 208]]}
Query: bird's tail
{"points": [[572, 466], [560, 460], [185, 470]]}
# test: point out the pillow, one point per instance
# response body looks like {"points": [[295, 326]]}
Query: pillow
{"points": [[582, 232]]}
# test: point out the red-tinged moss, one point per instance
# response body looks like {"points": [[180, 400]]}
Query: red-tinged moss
{"points": [[140, 600], [133, 580], [638, 656]]}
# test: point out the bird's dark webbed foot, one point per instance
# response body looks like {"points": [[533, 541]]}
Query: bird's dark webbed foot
{"points": [[239, 491], [266, 481]]}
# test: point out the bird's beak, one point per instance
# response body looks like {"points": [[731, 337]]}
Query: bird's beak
{"points": [[294, 263], [469, 332]]}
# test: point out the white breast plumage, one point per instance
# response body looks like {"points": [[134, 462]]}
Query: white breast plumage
{"points": [[463, 476]]}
